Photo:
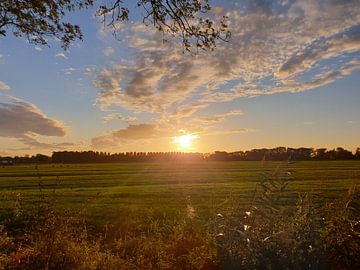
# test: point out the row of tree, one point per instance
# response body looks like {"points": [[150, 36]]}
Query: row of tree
{"points": [[283, 153], [275, 154]]}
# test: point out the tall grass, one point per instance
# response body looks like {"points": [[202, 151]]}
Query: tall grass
{"points": [[266, 235], [42, 237]]}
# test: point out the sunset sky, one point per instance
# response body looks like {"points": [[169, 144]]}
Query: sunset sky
{"points": [[290, 76]]}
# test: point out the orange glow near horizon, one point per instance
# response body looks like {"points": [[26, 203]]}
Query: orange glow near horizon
{"points": [[184, 142]]}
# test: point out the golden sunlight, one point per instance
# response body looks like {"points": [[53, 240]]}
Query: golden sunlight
{"points": [[185, 141]]}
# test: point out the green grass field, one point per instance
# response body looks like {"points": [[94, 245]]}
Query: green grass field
{"points": [[166, 216], [109, 191]]}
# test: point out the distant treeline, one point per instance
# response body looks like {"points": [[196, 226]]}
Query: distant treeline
{"points": [[275, 154]]}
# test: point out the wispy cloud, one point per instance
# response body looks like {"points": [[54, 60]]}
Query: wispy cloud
{"points": [[89, 70], [108, 51], [4, 86], [340, 44], [32, 142], [69, 71], [188, 110], [273, 46], [153, 83], [213, 119], [229, 131], [351, 122], [118, 116], [2, 59], [61, 54], [131, 133]]}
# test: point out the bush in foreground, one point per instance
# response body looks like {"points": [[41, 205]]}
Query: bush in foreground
{"points": [[267, 235]]}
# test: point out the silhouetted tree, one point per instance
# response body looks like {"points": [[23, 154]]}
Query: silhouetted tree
{"points": [[256, 154], [275, 154], [320, 154], [357, 153], [219, 156], [301, 153], [342, 154], [40, 158], [40, 19]]}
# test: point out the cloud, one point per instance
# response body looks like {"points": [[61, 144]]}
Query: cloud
{"points": [[188, 110], [89, 70], [108, 51], [152, 84], [4, 86], [25, 121], [61, 54], [39, 49], [318, 80], [182, 118], [118, 116], [2, 59], [31, 141], [217, 117], [334, 46], [158, 77], [274, 47], [69, 71], [131, 133], [229, 131]]}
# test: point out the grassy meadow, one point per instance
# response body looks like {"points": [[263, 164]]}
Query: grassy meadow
{"points": [[111, 189], [165, 215]]}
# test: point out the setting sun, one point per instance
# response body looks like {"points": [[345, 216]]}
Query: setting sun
{"points": [[185, 141]]}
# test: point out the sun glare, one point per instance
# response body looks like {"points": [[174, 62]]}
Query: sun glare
{"points": [[185, 141]]}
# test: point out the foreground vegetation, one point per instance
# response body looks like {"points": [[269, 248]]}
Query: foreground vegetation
{"points": [[181, 216]]}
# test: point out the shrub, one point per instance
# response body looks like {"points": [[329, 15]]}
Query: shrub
{"points": [[268, 235]]}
